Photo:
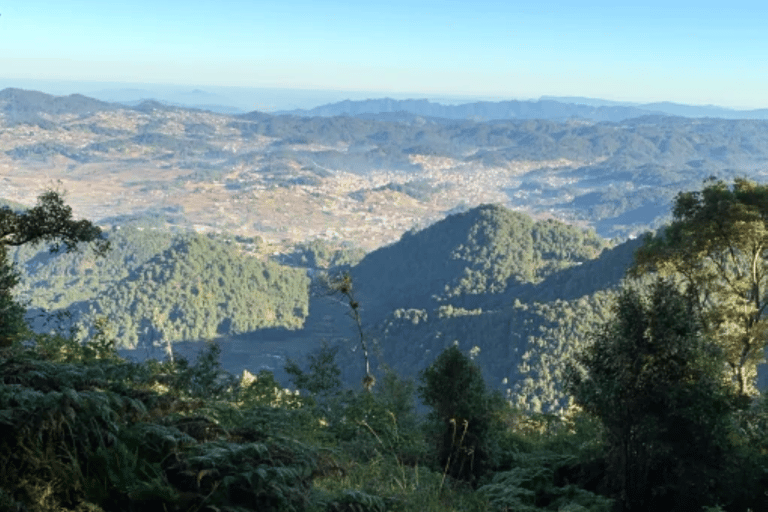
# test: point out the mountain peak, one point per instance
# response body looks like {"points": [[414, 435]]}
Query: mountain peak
{"points": [[481, 251]]}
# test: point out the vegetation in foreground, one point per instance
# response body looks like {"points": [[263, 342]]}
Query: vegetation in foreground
{"points": [[84, 430], [660, 421]]}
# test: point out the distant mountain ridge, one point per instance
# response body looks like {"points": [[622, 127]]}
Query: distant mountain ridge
{"points": [[478, 111], [22, 100], [544, 108], [23, 105]]}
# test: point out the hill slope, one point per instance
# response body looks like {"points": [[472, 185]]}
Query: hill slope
{"points": [[154, 287], [523, 294], [482, 251]]}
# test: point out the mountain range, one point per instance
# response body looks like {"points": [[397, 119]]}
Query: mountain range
{"points": [[554, 109], [618, 177], [241, 100]]}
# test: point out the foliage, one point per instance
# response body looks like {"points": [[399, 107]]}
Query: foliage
{"points": [[530, 487], [201, 288], [657, 385], [322, 254], [464, 422], [65, 347], [716, 246], [383, 423], [98, 433], [272, 476], [54, 418], [322, 377], [264, 390], [156, 287], [548, 462], [381, 480], [50, 222], [52, 281], [12, 322], [204, 379]]}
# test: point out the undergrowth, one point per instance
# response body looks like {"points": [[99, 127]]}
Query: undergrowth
{"points": [[83, 430]]}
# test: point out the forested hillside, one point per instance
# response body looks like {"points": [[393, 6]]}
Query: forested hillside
{"points": [[156, 287], [527, 294], [483, 251], [482, 301]]}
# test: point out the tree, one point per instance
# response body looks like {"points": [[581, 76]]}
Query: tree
{"points": [[11, 312], [342, 284], [716, 246], [323, 377], [657, 385], [464, 419], [49, 221]]}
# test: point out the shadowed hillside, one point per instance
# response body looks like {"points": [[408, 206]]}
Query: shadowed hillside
{"points": [[526, 294], [480, 252]]}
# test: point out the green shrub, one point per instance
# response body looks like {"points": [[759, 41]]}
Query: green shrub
{"points": [[531, 486], [464, 425]]}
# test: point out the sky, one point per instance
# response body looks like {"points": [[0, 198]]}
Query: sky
{"points": [[694, 52]]}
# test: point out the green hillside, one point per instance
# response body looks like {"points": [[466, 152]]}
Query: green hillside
{"points": [[199, 289], [52, 281], [154, 287], [524, 292]]}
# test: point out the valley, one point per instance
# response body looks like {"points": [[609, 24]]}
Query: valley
{"points": [[508, 237]]}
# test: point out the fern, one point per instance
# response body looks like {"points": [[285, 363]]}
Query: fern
{"points": [[531, 487], [356, 501]]}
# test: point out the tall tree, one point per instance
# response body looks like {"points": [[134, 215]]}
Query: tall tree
{"points": [[717, 247], [49, 221], [657, 386]]}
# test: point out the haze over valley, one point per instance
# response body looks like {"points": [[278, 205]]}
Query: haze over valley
{"points": [[363, 178]]}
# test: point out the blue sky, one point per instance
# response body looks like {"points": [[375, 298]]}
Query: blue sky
{"points": [[690, 52]]}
